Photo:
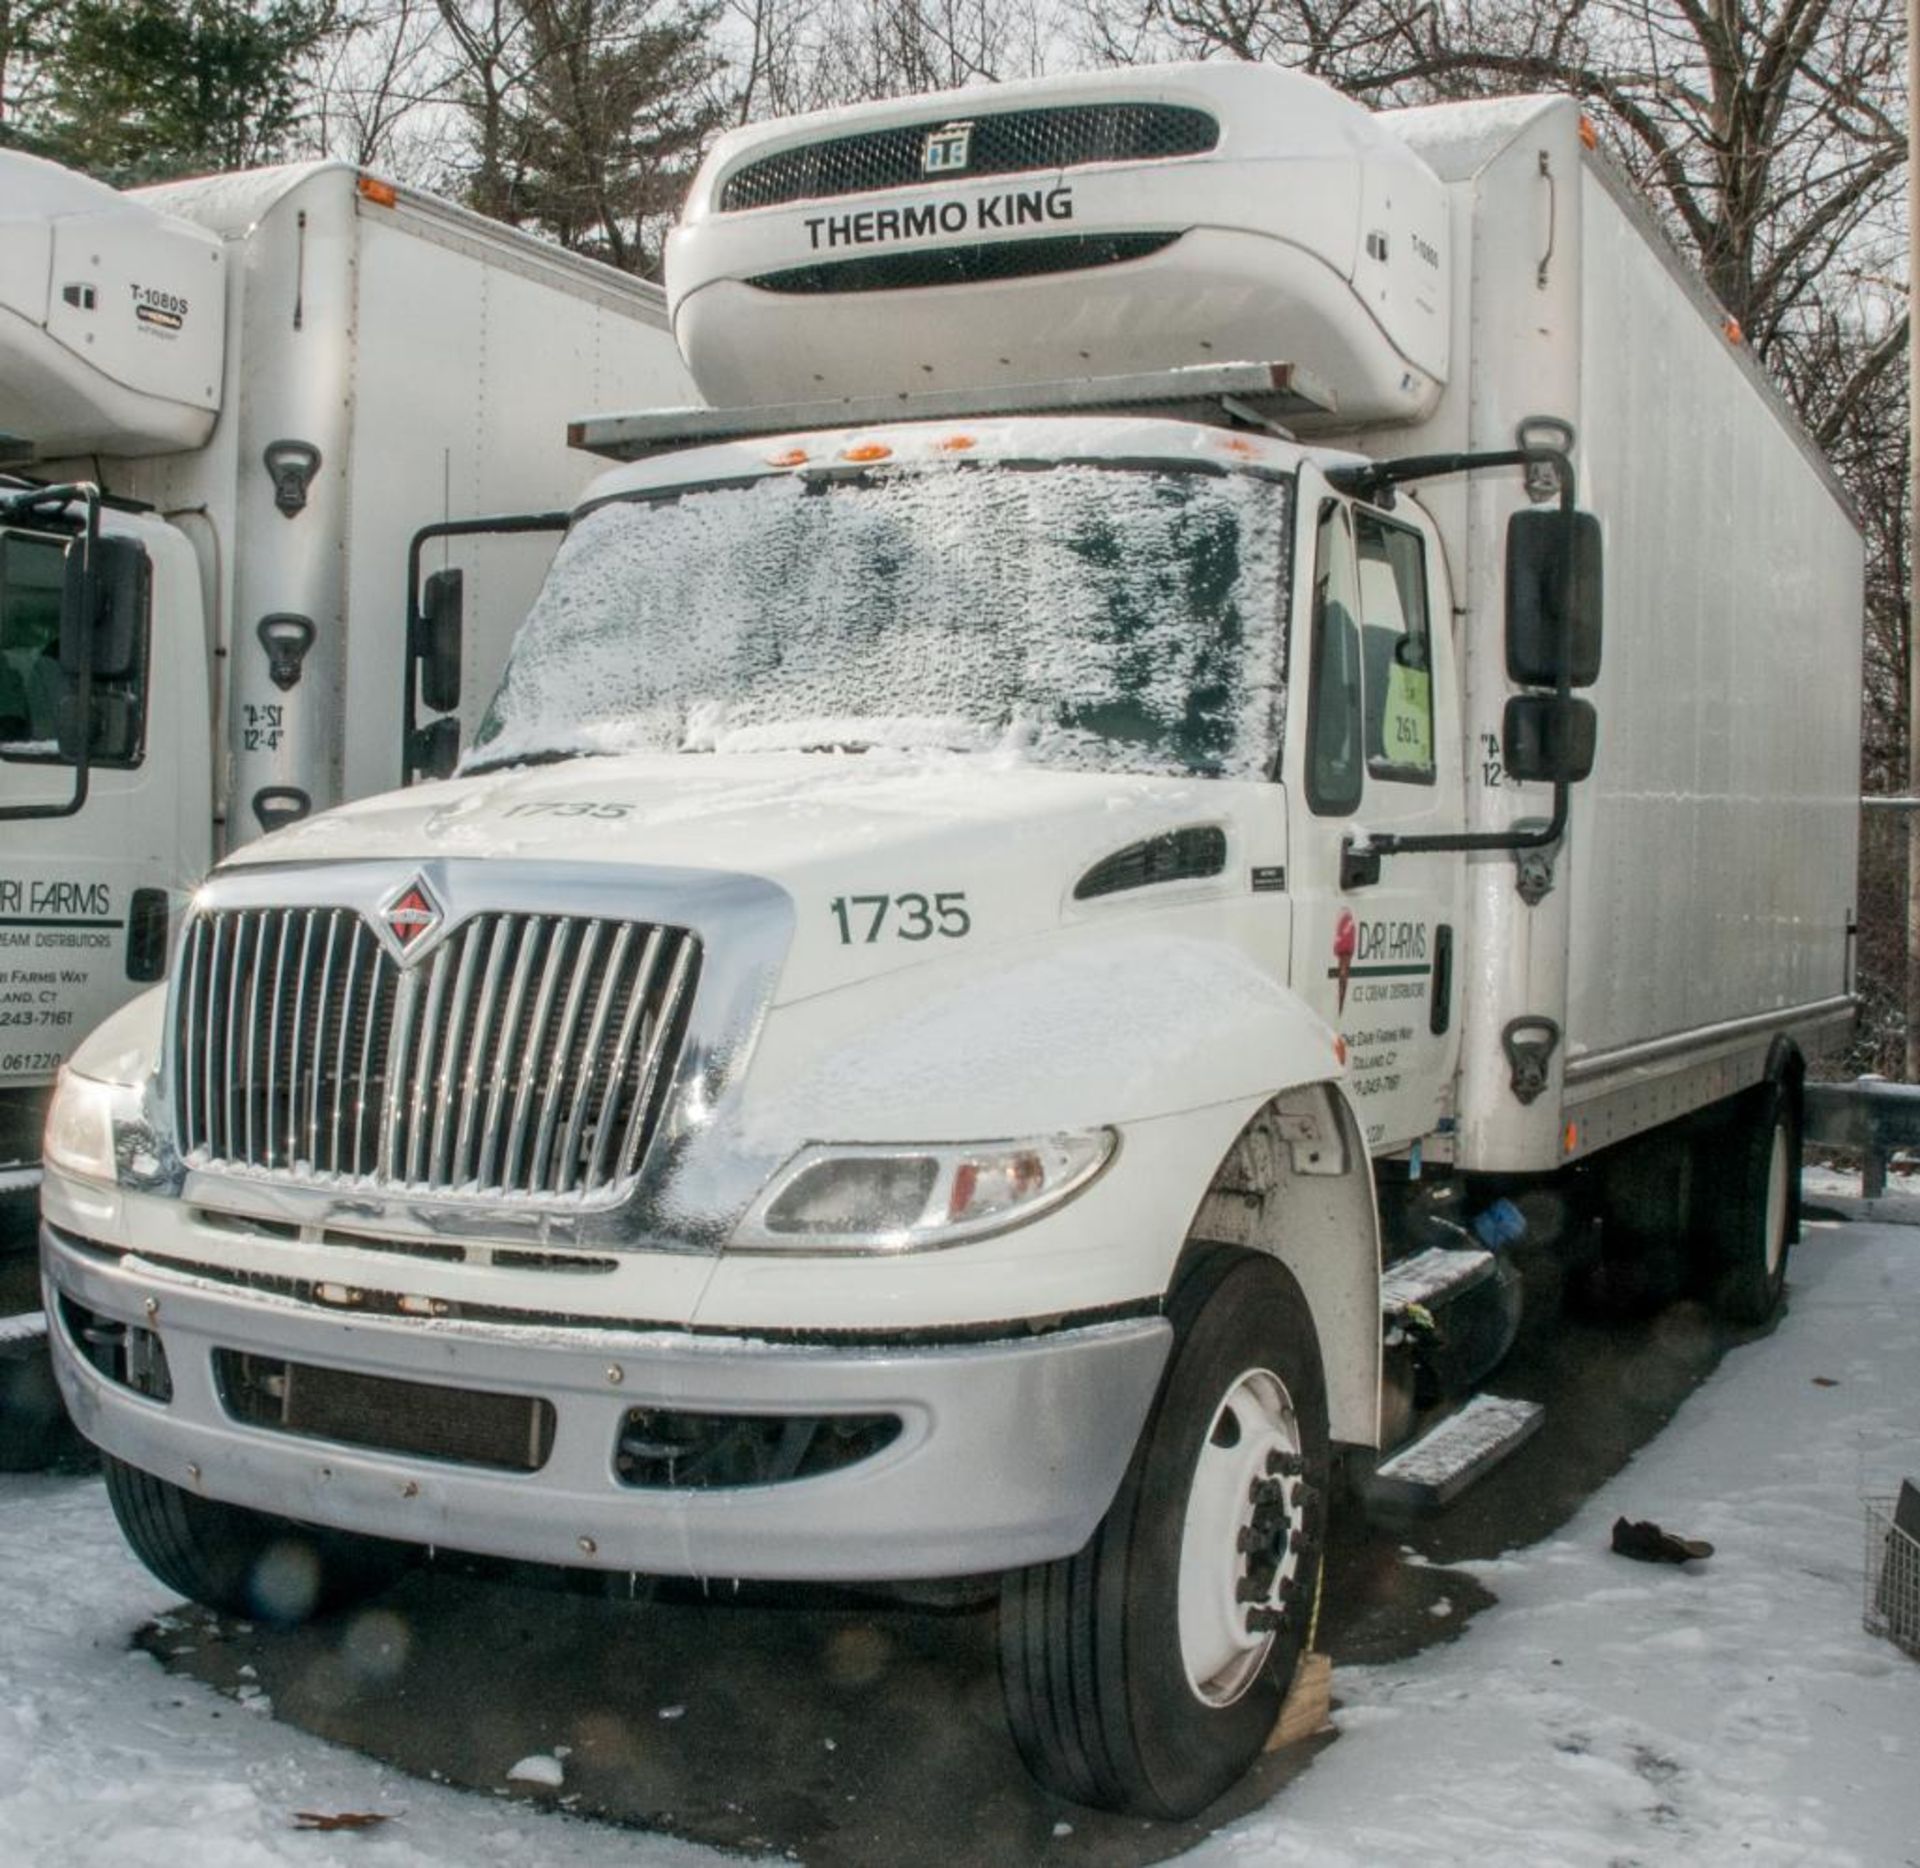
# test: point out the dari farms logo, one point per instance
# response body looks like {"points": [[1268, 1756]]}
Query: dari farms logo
{"points": [[948, 150], [409, 917]]}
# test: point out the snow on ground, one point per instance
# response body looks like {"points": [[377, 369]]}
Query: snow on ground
{"points": [[1602, 1713]]}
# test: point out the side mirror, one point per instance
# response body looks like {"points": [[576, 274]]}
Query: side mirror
{"points": [[1536, 586], [115, 739], [438, 646], [101, 629], [434, 749], [1546, 740]]}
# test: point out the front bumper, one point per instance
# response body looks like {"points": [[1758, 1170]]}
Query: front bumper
{"points": [[1010, 1451]]}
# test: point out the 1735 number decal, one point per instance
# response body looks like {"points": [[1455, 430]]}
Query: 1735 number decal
{"points": [[863, 919]]}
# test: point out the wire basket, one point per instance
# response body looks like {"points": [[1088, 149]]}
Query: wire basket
{"points": [[1893, 1578]]}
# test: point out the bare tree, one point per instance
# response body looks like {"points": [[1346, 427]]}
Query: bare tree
{"points": [[381, 88]]}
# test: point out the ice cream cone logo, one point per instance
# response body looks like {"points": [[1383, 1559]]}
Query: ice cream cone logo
{"points": [[1346, 939]]}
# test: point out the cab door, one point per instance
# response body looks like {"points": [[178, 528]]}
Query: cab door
{"points": [[1373, 746], [89, 901]]}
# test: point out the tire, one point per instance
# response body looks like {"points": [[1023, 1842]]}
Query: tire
{"points": [[1753, 1165], [34, 1429], [247, 1563], [1645, 1192], [1133, 1680]]}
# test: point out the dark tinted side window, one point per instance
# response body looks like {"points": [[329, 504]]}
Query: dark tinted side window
{"points": [[1335, 760]]}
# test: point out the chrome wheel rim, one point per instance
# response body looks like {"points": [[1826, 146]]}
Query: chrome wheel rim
{"points": [[1778, 1202], [1242, 1541]]}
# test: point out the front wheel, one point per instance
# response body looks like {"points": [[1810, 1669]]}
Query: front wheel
{"points": [[247, 1563], [1144, 1673]]}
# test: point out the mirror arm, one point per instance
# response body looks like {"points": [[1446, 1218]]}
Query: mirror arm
{"points": [[416, 624], [22, 505], [1368, 482]]}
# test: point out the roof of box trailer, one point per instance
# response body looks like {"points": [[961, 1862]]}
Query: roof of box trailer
{"points": [[1458, 140], [232, 205]]}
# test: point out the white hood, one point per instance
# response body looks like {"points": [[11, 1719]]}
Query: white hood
{"points": [[1011, 840]]}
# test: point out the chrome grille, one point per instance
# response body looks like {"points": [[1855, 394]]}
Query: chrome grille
{"points": [[1008, 142], [528, 1056]]}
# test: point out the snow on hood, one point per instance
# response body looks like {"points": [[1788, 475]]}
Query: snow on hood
{"points": [[762, 814]]}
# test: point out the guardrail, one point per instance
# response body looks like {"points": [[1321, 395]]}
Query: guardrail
{"points": [[1870, 1114]]}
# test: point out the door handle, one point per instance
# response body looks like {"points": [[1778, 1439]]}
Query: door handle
{"points": [[1359, 864]]}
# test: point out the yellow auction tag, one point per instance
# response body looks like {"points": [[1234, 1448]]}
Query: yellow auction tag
{"points": [[1406, 730]]}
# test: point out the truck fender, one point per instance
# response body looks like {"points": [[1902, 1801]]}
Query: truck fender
{"points": [[1073, 1034], [1296, 1185]]}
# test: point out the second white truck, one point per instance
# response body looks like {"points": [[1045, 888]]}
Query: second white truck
{"points": [[1022, 905], [272, 380]]}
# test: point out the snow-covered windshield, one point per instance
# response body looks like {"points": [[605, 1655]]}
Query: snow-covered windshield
{"points": [[1107, 616]]}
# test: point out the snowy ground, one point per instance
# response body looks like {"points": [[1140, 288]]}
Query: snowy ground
{"points": [[1602, 1713]]}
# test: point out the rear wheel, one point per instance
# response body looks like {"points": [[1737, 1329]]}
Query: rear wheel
{"points": [[247, 1563], [1145, 1673], [1753, 1163]]}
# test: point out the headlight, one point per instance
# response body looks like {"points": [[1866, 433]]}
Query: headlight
{"points": [[98, 1131], [909, 1198]]}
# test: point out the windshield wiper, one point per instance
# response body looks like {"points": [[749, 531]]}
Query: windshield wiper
{"points": [[551, 756]]}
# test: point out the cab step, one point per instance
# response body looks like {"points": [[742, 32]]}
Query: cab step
{"points": [[1430, 1278], [1436, 1468]]}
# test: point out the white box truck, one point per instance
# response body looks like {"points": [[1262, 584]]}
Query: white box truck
{"points": [[1016, 920], [273, 380]]}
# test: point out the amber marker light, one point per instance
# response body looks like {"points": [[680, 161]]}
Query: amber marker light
{"points": [[868, 451], [1572, 1138], [788, 457], [955, 444], [381, 194], [1340, 1052], [1589, 136], [1237, 444]]}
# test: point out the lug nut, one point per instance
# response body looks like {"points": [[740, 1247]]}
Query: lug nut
{"points": [[1288, 1465]]}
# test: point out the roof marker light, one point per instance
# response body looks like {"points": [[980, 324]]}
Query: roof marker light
{"points": [[867, 451], [381, 194], [955, 444], [1589, 136], [788, 457]]}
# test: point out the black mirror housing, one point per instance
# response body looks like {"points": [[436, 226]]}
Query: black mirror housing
{"points": [[115, 739], [435, 749], [1546, 740], [108, 639], [1536, 574], [439, 647]]}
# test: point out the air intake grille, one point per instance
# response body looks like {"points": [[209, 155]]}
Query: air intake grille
{"points": [[1010, 143], [965, 265], [528, 1057], [1178, 856]]}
